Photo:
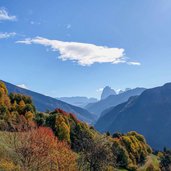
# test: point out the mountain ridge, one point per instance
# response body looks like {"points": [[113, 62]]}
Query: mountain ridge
{"points": [[43, 103], [107, 91], [113, 100], [148, 113]]}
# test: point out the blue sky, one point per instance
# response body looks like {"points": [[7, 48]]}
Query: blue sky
{"points": [[75, 47]]}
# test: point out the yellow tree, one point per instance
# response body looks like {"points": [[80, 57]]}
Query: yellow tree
{"points": [[62, 128], [7, 165], [4, 99], [29, 116], [22, 104]]}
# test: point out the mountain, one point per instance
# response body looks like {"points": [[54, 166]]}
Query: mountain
{"points": [[78, 101], [44, 103], [149, 114], [122, 91], [113, 100], [107, 91]]}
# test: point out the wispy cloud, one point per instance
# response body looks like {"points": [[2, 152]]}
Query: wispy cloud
{"points": [[22, 86], [5, 16], [83, 53], [34, 23], [134, 63], [7, 35], [99, 90]]}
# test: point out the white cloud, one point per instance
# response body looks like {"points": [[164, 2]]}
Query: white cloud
{"points": [[7, 35], [118, 90], [134, 63], [5, 16], [99, 90], [22, 86], [83, 53]]}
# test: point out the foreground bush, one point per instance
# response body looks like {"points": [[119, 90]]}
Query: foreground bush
{"points": [[165, 160], [37, 150], [97, 156], [130, 150]]}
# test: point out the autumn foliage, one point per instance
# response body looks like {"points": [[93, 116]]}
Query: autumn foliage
{"points": [[38, 149], [16, 111]]}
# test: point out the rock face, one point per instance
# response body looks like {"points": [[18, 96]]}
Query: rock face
{"points": [[148, 114], [44, 103], [107, 91], [111, 101]]}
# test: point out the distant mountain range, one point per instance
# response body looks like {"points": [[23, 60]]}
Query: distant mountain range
{"points": [[108, 91], [112, 100], [148, 114], [44, 103], [78, 101]]}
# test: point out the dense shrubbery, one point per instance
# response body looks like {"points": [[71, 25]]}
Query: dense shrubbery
{"points": [[35, 150], [96, 151], [130, 150], [66, 127], [16, 111], [165, 160], [57, 140]]}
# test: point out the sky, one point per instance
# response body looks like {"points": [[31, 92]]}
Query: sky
{"points": [[77, 47]]}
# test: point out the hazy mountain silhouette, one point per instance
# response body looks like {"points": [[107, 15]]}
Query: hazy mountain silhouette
{"points": [[113, 100], [78, 101], [107, 91]]}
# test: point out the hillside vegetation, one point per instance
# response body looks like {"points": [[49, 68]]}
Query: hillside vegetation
{"points": [[45, 103], [58, 141]]}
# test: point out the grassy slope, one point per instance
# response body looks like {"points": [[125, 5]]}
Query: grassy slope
{"points": [[151, 160]]}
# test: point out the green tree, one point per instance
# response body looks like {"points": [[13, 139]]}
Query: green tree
{"points": [[165, 161]]}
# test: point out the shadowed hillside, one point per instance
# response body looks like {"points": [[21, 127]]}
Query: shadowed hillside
{"points": [[111, 101], [149, 114], [44, 103]]}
